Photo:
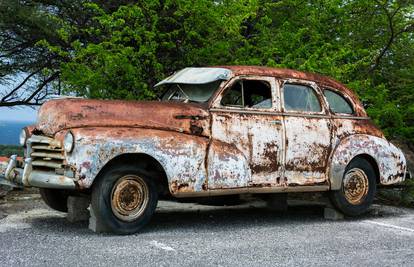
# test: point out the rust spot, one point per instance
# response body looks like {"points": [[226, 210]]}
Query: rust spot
{"points": [[305, 164], [270, 161], [86, 165], [60, 114], [197, 130], [177, 187]]}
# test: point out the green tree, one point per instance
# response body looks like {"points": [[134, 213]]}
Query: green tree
{"points": [[120, 49], [29, 71]]}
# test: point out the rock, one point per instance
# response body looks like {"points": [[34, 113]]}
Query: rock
{"points": [[332, 214], [78, 208], [96, 225]]}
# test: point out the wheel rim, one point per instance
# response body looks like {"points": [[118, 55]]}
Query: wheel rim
{"points": [[355, 186], [129, 198]]}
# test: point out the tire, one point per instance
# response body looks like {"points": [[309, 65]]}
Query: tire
{"points": [[55, 198], [358, 188], [124, 199]]}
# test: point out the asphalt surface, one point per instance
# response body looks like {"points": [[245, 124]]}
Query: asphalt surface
{"points": [[194, 235]]}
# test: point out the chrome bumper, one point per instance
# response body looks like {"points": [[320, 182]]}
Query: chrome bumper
{"points": [[15, 176]]}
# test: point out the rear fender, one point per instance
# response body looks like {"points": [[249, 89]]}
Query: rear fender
{"points": [[390, 160]]}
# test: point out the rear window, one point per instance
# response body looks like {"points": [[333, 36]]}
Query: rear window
{"points": [[337, 103]]}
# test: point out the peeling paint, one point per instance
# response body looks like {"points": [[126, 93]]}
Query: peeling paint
{"points": [[210, 149]]}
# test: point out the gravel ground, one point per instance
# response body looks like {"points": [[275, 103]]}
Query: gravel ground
{"points": [[196, 235]]}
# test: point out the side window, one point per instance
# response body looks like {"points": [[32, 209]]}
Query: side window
{"points": [[248, 94], [233, 97], [337, 103], [300, 98]]}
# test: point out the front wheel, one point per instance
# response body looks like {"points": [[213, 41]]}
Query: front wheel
{"points": [[124, 199], [357, 190]]}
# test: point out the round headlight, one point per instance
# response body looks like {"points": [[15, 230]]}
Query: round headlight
{"points": [[68, 142], [23, 137]]}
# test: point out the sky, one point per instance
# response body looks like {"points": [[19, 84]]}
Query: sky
{"points": [[22, 114]]}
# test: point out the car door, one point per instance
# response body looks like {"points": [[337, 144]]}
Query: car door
{"points": [[308, 133], [246, 148]]}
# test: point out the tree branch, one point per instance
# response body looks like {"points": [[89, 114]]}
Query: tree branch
{"points": [[28, 101], [387, 46], [42, 85], [14, 90]]}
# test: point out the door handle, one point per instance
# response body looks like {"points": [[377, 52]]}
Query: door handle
{"points": [[276, 122]]}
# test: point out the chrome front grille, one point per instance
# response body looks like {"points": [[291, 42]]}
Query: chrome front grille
{"points": [[46, 153]]}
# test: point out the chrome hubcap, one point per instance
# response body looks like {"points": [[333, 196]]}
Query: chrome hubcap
{"points": [[129, 198], [355, 186]]}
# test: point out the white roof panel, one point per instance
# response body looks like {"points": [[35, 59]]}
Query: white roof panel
{"points": [[197, 76]]}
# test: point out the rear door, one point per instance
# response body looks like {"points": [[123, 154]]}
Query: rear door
{"points": [[308, 133]]}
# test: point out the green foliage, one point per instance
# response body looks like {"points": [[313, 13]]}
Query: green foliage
{"points": [[8, 150], [139, 44], [120, 49]]}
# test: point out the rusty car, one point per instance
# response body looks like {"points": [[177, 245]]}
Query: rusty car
{"points": [[216, 131]]}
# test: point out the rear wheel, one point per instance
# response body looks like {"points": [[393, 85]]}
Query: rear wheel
{"points": [[357, 190], [124, 199], [55, 198]]}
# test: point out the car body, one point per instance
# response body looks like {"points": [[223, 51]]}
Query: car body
{"points": [[216, 131]]}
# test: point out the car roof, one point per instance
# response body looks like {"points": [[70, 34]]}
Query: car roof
{"points": [[285, 73], [300, 75]]}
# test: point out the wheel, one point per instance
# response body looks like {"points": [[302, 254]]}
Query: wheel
{"points": [[357, 190], [124, 199], [55, 198]]}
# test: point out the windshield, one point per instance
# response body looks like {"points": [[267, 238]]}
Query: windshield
{"points": [[198, 93]]}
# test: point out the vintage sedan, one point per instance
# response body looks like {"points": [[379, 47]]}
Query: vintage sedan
{"points": [[215, 131]]}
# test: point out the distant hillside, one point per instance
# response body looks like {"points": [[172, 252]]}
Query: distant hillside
{"points": [[8, 150]]}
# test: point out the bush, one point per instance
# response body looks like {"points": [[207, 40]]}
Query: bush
{"points": [[8, 150]]}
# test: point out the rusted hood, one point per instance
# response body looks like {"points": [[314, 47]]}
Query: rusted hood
{"points": [[57, 115]]}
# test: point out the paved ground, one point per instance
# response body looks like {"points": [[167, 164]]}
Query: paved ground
{"points": [[195, 235]]}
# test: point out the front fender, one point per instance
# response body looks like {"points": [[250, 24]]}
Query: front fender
{"points": [[390, 160], [181, 155]]}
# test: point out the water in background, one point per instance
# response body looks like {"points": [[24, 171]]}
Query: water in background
{"points": [[9, 132]]}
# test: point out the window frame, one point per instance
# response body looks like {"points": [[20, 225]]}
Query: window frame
{"points": [[273, 92], [313, 86], [344, 96]]}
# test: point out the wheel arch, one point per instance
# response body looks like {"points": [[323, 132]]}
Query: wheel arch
{"points": [[372, 161], [143, 160]]}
